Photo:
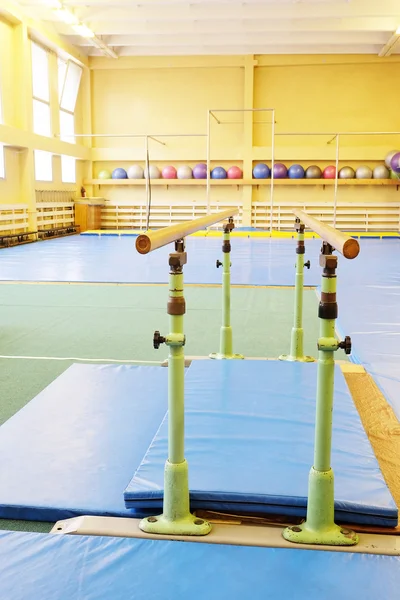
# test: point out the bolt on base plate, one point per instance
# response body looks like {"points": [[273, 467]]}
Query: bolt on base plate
{"points": [[219, 356], [190, 525], [333, 536], [296, 358]]}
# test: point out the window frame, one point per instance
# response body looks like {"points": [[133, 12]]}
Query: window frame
{"points": [[37, 98]]}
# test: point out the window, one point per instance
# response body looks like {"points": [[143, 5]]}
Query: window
{"points": [[67, 127], [43, 166], [62, 69], [70, 78], [40, 91], [41, 118], [68, 169], [2, 165]]}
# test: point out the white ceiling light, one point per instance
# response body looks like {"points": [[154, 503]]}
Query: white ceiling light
{"points": [[83, 30], [66, 16]]}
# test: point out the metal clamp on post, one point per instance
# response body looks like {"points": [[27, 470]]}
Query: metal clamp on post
{"points": [[226, 342], [320, 527], [296, 340]]}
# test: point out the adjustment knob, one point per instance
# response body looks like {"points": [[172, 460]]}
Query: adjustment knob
{"points": [[158, 340], [218, 264], [346, 345], [307, 264]]}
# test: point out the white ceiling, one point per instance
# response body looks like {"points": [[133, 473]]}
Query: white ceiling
{"points": [[190, 27]]}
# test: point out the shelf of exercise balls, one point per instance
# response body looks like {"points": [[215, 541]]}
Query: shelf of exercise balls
{"points": [[241, 182]]}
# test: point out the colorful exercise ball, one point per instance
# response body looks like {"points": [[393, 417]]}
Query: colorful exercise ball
{"points": [[395, 163], [363, 172], [280, 171], [154, 172], [261, 171], [389, 157], [296, 172], [313, 172], [184, 172], [135, 172], [104, 174], [347, 173], [218, 173], [200, 171], [329, 172], [381, 172], [119, 174], [169, 172], [234, 173]]}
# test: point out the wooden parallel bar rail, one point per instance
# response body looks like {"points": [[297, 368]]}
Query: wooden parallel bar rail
{"points": [[147, 242], [346, 245]]}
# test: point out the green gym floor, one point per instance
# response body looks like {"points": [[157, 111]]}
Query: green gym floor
{"points": [[47, 327]]}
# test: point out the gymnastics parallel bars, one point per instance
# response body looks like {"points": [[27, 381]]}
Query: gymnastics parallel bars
{"points": [[346, 245], [176, 518], [320, 526], [147, 242]]}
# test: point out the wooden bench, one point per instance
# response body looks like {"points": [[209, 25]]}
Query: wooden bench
{"points": [[58, 232], [14, 239]]}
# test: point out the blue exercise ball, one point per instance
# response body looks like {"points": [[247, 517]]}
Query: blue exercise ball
{"points": [[296, 172], [218, 173], [261, 171], [119, 174]]}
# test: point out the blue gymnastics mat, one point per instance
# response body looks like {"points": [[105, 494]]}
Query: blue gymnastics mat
{"points": [[106, 259], [71, 450], [249, 444], [52, 567], [369, 311]]}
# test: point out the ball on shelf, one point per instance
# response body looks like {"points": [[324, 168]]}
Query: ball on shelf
{"points": [[296, 172], [234, 173], [169, 172], [119, 173], [329, 172], [389, 157], [395, 163], [261, 171], [347, 173], [313, 172], [135, 172], [200, 171], [104, 174], [363, 172], [280, 171], [154, 172], [381, 172], [218, 173], [184, 172]]}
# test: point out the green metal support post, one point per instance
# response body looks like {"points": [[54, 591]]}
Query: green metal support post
{"points": [[176, 518], [226, 342], [296, 340], [319, 527]]}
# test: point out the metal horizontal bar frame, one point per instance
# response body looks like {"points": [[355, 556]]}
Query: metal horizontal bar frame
{"points": [[150, 241], [346, 245]]}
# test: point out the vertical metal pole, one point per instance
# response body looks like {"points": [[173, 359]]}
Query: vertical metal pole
{"points": [[297, 335], [208, 189], [336, 181], [147, 170], [272, 170], [226, 341], [320, 527], [176, 518]]}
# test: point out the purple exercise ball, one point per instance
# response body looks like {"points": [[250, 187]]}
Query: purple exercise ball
{"points": [[395, 163], [200, 171], [280, 171]]}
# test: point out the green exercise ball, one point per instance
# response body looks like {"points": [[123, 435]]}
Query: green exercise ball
{"points": [[104, 174]]}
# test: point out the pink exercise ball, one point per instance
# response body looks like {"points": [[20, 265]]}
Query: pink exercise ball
{"points": [[169, 172], [329, 172], [235, 173]]}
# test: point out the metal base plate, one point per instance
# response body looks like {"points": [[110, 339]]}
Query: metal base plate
{"points": [[222, 533], [334, 536], [297, 359], [190, 525], [218, 356]]}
